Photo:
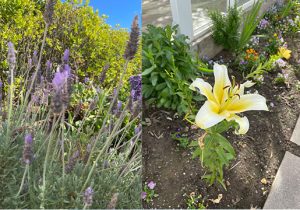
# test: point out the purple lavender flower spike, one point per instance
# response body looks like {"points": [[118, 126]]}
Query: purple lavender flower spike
{"points": [[48, 70], [11, 56], [28, 139], [60, 78], [88, 196], [151, 185], [132, 44], [35, 58], [136, 87], [27, 149], [72, 162], [66, 56], [117, 108]]}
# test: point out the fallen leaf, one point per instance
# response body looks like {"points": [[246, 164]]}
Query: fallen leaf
{"points": [[264, 181], [169, 118], [218, 200], [148, 121]]}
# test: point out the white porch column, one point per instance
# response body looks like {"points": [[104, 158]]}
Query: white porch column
{"points": [[230, 3], [182, 15]]}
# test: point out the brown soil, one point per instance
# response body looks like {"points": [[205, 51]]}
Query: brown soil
{"points": [[259, 153]]}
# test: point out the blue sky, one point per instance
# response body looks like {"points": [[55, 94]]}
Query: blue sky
{"points": [[119, 11]]}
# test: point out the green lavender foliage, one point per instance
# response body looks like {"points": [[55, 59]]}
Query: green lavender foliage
{"points": [[114, 163], [168, 68], [53, 178], [65, 192]]}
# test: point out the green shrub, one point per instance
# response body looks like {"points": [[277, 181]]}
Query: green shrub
{"points": [[230, 32], [226, 28], [91, 41], [168, 68]]}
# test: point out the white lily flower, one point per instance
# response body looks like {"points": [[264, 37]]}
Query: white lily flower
{"points": [[225, 100]]}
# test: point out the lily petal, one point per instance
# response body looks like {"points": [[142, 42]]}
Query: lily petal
{"points": [[247, 102], [242, 87], [208, 116], [204, 87], [221, 81], [243, 124]]}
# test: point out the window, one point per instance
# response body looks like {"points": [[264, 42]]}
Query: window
{"points": [[192, 15], [200, 9]]}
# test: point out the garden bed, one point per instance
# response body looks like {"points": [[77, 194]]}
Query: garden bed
{"points": [[259, 152]]}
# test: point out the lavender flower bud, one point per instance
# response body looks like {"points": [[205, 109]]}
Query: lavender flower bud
{"points": [[132, 44], [72, 161], [117, 109], [35, 58], [11, 59], [27, 149], [29, 63], [135, 94], [66, 56], [49, 10], [87, 153], [57, 102], [136, 87], [103, 73], [48, 70], [88, 197], [113, 202]]}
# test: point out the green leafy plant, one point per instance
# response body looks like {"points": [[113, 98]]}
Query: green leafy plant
{"points": [[249, 24], [183, 140], [279, 80], [217, 115], [226, 28], [215, 152], [195, 201], [287, 8], [231, 31], [168, 66], [149, 193], [263, 67]]}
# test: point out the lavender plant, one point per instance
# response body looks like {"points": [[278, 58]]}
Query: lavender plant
{"points": [[50, 157]]}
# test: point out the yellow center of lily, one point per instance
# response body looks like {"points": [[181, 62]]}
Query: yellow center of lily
{"points": [[225, 100]]}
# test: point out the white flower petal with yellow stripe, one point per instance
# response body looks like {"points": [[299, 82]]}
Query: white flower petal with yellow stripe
{"points": [[225, 100]]}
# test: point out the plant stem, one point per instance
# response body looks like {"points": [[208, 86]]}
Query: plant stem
{"points": [[11, 96], [36, 71], [63, 154], [45, 169], [108, 112], [23, 180]]}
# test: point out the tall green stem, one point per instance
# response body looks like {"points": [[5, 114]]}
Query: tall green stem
{"points": [[11, 96], [36, 71]]}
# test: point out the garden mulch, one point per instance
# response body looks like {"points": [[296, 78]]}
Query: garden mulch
{"points": [[259, 152]]}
